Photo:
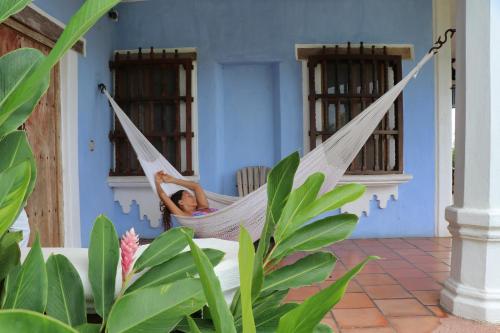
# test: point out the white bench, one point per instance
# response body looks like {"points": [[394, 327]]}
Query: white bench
{"points": [[227, 270]]}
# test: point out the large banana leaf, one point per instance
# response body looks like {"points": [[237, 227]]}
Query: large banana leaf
{"points": [[235, 306], [305, 317], [9, 258], [334, 199], [88, 328], [266, 303], [279, 185], [66, 300], [322, 328], [317, 235], [79, 24], [163, 248], [14, 183], [16, 67], [156, 309], [298, 199], [268, 320], [11, 7], [103, 262], [10, 253], [179, 267], [306, 271], [18, 117], [10, 238], [221, 316], [203, 325], [192, 325], [26, 286], [15, 149], [9, 283], [246, 256], [23, 321]]}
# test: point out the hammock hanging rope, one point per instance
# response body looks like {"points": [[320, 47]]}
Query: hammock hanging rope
{"points": [[332, 158]]}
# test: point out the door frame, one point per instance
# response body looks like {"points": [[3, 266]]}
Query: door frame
{"points": [[48, 31], [69, 150]]}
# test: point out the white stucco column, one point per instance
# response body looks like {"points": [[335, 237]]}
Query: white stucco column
{"points": [[473, 289], [442, 20]]}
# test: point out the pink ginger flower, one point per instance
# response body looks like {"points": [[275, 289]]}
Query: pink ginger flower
{"points": [[128, 246]]}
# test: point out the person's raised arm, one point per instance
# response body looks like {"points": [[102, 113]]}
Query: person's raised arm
{"points": [[201, 197], [171, 206]]}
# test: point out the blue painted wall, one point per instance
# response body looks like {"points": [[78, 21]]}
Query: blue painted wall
{"points": [[249, 119], [233, 36], [259, 31]]}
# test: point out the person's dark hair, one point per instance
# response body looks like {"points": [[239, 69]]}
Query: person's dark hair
{"points": [[167, 220], [176, 197]]}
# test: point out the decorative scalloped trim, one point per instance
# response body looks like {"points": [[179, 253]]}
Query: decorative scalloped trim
{"points": [[379, 187], [129, 189]]}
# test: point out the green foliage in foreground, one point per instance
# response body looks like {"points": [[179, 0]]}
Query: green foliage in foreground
{"points": [[167, 289]]}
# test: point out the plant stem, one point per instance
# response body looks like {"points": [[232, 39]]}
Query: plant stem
{"points": [[120, 295], [124, 284]]}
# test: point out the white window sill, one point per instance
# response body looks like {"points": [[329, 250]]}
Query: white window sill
{"points": [[129, 189], [380, 187]]}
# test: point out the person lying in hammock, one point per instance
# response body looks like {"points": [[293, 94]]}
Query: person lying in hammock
{"points": [[182, 202]]}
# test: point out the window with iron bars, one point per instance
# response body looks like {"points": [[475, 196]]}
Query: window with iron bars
{"points": [[155, 91], [342, 83]]}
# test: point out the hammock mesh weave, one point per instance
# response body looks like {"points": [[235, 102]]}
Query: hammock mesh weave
{"points": [[332, 158]]}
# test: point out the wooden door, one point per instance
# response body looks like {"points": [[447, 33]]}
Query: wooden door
{"points": [[44, 206]]}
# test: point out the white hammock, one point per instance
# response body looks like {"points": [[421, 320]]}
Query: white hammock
{"points": [[332, 158]]}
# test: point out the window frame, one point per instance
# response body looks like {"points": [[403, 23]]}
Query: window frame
{"points": [[185, 105], [313, 91]]}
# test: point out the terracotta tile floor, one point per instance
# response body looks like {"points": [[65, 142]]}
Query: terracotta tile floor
{"points": [[398, 293]]}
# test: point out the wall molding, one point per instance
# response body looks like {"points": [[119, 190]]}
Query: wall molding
{"points": [[304, 51], [69, 149], [382, 188]]}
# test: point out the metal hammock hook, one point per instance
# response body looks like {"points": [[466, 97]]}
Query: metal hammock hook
{"points": [[102, 87], [439, 43]]}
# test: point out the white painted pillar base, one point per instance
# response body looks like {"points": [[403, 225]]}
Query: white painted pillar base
{"points": [[473, 289]]}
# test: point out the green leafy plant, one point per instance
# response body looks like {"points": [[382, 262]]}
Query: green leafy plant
{"points": [[159, 299], [264, 281], [25, 78], [161, 292], [66, 298]]}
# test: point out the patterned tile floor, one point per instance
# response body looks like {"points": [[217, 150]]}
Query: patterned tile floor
{"points": [[398, 293]]}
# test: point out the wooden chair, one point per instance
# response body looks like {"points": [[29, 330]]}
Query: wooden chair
{"points": [[251, 178]]}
